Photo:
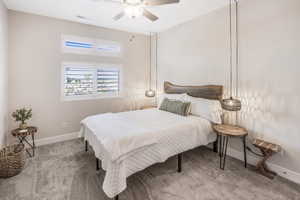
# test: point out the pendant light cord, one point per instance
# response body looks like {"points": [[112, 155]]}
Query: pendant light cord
{"points": [[156, 54], [237, 46], [150, 44], [230, 32]]}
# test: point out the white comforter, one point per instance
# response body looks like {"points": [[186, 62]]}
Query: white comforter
{"points": [[128, 142]]}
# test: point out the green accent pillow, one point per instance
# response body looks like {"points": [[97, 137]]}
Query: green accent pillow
{"points": [[175, 106]]}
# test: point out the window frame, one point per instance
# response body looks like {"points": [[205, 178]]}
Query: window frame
{"points": [[94, 66], [94, 46]]}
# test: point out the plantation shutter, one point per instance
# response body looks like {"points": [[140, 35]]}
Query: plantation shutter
{"points": [[108, 81], [79, 81], [91, 81]]}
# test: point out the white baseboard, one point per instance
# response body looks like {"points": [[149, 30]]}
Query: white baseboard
{"points": [[281, 171], [59, 138]]}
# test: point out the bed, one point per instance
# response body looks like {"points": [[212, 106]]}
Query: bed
{"points": [[129, 142]]}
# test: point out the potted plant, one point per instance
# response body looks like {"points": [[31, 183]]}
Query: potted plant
{"points": [[22, 115]]}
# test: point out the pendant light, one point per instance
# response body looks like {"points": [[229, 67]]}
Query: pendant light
{"points": [[233, 104], [150, 92]]}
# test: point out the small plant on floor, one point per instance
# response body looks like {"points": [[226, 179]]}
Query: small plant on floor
{"points": [[22, 115]]}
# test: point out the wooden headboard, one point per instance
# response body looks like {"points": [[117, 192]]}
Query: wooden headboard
{"points": [[212, 92]]}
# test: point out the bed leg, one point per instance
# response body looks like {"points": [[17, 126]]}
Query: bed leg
{"points": [[117, 197], [215, 145], [97, 164], [179, 161], [86, 145]]}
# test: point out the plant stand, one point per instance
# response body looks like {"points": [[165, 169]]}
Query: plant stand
{"points": [[22, 135]]}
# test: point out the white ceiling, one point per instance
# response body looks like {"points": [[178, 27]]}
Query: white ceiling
{"points": [[100, 12]]}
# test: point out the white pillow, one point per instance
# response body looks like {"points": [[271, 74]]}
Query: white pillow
{"points": [[180, 97], [208, 109]]}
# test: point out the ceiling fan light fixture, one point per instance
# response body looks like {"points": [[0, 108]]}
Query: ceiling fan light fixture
{"points": [[137, 8], [134, 11]]}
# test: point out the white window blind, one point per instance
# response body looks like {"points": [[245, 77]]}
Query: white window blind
{"points": [[85, 82], [108, 80], [79, 81]]}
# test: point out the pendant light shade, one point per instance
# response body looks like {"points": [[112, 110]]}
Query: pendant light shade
{"points": [[232, 104], [150, 93]]}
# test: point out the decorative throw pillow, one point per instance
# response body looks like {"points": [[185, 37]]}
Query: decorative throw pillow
{"points": [[179, 97], [175, 106], [208, 109]]}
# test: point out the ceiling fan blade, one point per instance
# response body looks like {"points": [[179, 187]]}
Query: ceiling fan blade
{"points": [[149, 15], [159, 2], [109, 1], [119, 16], [115, 1]]}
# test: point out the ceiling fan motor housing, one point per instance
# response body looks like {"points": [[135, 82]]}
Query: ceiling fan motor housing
{"points": [[136, 8]]}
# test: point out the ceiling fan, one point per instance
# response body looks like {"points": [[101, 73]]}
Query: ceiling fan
{"points": [[136, 8]]}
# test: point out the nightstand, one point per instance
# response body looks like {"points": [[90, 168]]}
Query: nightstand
{"points": [[22, 135], [224, 132]]}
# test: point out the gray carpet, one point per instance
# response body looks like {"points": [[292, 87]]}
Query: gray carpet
{"points": [[63, 171]]}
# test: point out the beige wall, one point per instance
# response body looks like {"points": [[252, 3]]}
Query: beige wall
{"points": [[35, 71], [196, 53], [3, 72]]}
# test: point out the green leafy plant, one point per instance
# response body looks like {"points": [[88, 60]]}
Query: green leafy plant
{"points": [[22, 115]]}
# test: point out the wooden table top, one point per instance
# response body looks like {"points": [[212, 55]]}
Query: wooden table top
{"points": [[23, 132], [230, 130]]}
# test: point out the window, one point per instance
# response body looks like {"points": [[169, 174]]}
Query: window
{"points": [[82, 81], [81, 45], [78, 45]]}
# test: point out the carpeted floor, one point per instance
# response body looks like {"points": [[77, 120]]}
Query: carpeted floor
{"points": [[64, 171]]}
